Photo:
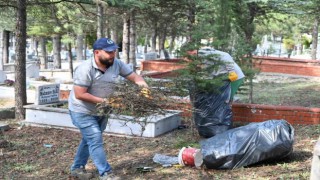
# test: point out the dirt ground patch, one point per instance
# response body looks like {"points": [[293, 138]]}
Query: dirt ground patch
{"points": [[6, 102], [25, 153]]}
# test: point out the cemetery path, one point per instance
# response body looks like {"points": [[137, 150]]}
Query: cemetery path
{"points": [[8, 93]]}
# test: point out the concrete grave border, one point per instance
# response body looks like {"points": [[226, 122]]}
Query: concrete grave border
{"points": [[59, 117]]}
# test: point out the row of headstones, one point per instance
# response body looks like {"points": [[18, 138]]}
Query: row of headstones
{"points": [[44, 94], [48, 93], [153, 55], [32, 71]]}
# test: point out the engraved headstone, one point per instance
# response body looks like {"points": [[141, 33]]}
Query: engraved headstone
{"points": [[33, 70], [150, 56], [162, 54], [140, 49], [47, 94], [29, 57]]}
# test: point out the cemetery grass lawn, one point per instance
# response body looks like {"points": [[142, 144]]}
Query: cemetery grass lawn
{"points": [[283, 90], [305, 94]]}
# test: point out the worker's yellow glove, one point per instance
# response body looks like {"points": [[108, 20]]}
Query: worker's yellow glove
{"points": [[146, 93], [113, 102], [232, 76]]}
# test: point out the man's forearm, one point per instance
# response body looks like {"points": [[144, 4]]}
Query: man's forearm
{"points": [[137, 80], [89, 98], [141, 82]]}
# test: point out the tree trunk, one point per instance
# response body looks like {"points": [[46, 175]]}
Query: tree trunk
{"points": [[70, 60], [114, 37], [80, 47], [43, 54], [6, 45], [250, 64], [20, 63], [36, 44], [192, 101], [315, 39], [132, 54], [146, 42], [33, 44], [154, 38], [171, 46], [300, 47], [106, 29], [125, 40], [56, 42], [191, 20], [85, 47], [244, 21], [162, 39], [223, 18], [1, 50], [100, 21]]}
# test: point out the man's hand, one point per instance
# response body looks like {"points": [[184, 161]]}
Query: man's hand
{"points": [[146, 93], [113, 102], [232, 76]]}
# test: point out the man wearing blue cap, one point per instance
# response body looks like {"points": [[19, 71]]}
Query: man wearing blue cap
{"points": [[93, 81]]}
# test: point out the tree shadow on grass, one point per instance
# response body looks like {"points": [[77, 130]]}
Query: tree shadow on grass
{"points": [[295, 156]]}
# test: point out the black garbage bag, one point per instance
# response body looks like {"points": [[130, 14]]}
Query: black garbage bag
{"points": [[213, 113], [248, 144]]}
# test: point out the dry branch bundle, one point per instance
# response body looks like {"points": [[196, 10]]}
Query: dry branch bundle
{"points": [[130, 99]]}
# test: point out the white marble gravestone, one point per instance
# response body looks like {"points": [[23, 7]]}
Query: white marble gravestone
{"points": [[33, 70], [47, 94], [3, 77], [150, 56]]}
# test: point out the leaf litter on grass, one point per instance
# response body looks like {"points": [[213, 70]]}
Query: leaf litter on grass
{"points": [[126, 154]]}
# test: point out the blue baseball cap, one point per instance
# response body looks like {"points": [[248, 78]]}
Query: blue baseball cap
{"points": [[105, 44]]}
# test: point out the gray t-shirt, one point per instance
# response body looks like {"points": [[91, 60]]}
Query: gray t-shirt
{"points": [[222, 59], [228, 64], [99, 83]]}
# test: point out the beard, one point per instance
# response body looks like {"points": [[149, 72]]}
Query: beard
{"points": [[106, 62]]}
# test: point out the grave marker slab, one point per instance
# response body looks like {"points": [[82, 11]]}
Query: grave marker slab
{"points": [[3, 77], [4, 127], [33, 70], [46, 94], [150, 56]]}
